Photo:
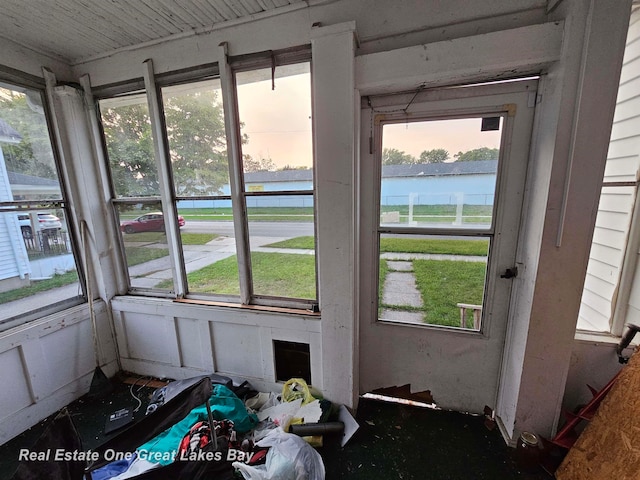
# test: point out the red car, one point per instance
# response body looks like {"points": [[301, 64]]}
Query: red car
{"points": [[149, 222]]}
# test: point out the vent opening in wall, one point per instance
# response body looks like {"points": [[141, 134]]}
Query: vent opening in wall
{"points": [[292, 361]]}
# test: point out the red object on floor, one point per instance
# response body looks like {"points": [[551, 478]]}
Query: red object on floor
{"points": [[567, 435]]}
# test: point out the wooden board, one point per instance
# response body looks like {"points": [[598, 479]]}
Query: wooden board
{"points": [[609, 447]]}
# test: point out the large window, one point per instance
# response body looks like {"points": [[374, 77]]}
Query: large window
{"points": [[37, 266], [240, 181], [437, 190]]}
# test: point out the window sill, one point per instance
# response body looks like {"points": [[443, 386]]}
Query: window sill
{"points": [[259, 308], [597, 337]]}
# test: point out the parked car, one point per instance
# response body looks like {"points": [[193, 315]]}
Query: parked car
{"points": [[149, 222], [49, 224]]}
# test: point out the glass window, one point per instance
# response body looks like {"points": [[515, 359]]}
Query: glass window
{"points": [[277, 160], [437, 192], [145, 245], [194, 119], [260, 249], [127, 133], [37, 265]]}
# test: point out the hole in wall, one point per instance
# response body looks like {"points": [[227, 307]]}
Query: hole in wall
{"points": [[292, 360]]}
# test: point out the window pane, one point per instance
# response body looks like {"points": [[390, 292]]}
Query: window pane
{"points": [[209, 247], [127, 133], [276, 123], [282, 240], [432, 281], [145, 245], [37, 268], [25, 148], [439, 173], [197, 142]]}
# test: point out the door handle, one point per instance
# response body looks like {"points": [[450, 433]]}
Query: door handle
{"points": [[510, 273]]}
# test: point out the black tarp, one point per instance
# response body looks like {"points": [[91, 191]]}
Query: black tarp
{"points": [[62, 434]]}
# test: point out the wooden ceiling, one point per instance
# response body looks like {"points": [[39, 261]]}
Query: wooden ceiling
{"points": [[77, 30]]}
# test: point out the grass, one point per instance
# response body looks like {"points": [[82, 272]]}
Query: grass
{"points": [[138, 255], [160, 237], [39, 286], [406, 245], [427, 213], [274, 274], [441, 213], [444, 283], [141, 254], [259, 214]]}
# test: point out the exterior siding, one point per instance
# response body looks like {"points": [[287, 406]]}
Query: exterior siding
{"points": [[611, 234], [13, 255]]}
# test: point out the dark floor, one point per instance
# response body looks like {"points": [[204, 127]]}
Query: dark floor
{"points": [[394, 441]]}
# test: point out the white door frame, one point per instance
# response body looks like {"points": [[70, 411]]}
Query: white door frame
{"points": [[445, 361]]}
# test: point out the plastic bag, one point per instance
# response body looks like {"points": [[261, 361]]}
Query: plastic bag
{"points": [[289, 458], [296, 388]]}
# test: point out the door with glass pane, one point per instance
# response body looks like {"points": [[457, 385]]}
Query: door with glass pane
{"points": [[441, 216]]}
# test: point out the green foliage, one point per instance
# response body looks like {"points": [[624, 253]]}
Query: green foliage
{"points": [[262, 165], [197, 145], [484, 153], [437, 155], [127, 133], [33, 155], [197, 142], [393, 156]]}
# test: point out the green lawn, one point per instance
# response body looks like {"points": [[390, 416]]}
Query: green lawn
{"points": [[160, 237], [274, 274], [138, 255], [406, 245], [442, 284], [441, 213], [39, 286], [422, 213], [262, 214], [143, 253]]}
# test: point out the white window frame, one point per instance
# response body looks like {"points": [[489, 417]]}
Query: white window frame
{"points": [[18, 206], [226, 72]]}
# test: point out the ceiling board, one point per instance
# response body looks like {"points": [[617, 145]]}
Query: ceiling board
{"points": [[75, 30]]}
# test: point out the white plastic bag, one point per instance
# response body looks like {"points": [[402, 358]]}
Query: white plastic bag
{"points": [[289, 458]]}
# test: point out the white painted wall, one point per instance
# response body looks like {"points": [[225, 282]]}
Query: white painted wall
{"points": [[170, 340], [568, 157], [26, 60], [48, 363]]}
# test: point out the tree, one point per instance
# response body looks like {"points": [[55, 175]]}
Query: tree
{"points": [[127, 133], [262, 165], [393, 156], [197, 145], [484, 153], [33, 155], [437, 155]]}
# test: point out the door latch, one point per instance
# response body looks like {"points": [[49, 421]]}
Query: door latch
{"points": [[510, 273]]}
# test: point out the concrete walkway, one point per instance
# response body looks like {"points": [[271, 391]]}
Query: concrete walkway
{"points": [[400, 290]]}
